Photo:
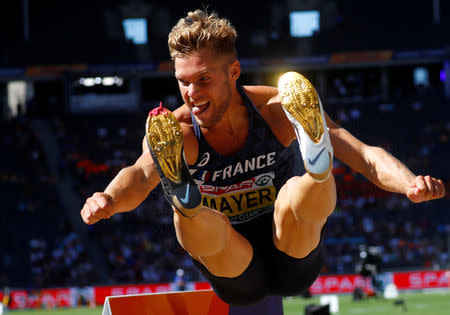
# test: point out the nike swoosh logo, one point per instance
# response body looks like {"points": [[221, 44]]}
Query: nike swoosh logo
{"points": [[186, 196], [313, 161]]}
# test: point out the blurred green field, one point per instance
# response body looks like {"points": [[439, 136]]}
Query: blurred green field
{"points": [[418, 303], [436, 303]]}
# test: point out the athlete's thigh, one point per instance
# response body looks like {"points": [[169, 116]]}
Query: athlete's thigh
{"points": [[233, 257], [253, 284], [292, 235]]}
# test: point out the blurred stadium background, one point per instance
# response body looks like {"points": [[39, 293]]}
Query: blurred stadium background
{"points": [[77, 79]]}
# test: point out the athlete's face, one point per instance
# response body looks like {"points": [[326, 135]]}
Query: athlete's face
{"points": [[205, 82]]}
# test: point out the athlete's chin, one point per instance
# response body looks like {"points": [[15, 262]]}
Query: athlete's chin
{"points": [[208, 118], [204, 121], [203, 118]]}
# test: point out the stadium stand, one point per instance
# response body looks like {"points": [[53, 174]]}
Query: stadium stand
{"points": [[40, 249]]}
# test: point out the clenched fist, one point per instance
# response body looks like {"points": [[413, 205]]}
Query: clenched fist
{"points": [[99, 206], [425, 188]]}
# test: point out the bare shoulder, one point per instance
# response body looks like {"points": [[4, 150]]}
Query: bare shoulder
{"points": [[267, 101], [261, 95]]}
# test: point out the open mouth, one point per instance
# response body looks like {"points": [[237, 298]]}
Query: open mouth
{"points": [[199, 107]]}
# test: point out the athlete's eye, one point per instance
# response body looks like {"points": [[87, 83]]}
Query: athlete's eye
{"points": [[183, 82]]}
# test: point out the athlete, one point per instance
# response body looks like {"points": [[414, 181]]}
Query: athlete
{"points": [[226, 165]]}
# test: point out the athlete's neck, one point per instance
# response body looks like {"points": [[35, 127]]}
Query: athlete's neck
{"points": [[234, 120], [229, 135]]}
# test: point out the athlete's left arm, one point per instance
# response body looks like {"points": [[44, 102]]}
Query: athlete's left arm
{"points": [[381, 168]]}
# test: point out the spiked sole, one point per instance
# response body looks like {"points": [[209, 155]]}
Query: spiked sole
{"points": [[300, 99], [302, 105], [165, 137], [165, 141]]}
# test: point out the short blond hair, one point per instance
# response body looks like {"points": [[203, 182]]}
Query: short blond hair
{"points": [[202, 30]]}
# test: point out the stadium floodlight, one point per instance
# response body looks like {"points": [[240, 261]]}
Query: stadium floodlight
{"points": [[421, 76], [135, 30], [108, 81], [105, 81], [87, 81], [118, 81], [304, 23]]}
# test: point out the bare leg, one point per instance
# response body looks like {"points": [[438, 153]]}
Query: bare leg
{"points": [[209, 238], [301, 210], [304, 203]]}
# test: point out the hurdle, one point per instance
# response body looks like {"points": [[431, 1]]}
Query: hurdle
{"points": [[201, 302]]}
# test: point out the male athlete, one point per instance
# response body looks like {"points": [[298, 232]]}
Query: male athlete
{"points": [[226, 167]]}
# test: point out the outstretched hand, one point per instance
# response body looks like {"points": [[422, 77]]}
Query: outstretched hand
{"points": [[97, 207], [425, 188]]}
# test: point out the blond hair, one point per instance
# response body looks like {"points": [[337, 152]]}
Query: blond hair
{"points": [[202, 30]]}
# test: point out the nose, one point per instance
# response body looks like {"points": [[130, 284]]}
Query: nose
{"points": [[192, 91]]}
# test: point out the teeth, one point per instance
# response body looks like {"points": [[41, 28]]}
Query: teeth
{"points": [[200, 103]]}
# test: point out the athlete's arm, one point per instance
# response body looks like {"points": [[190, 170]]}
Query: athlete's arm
{"points": [[133, 184], [381, 168], [125, 192]]}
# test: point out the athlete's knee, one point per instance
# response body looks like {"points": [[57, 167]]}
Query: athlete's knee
{"points": [[306, 187], [283, 202], [293, 181], [287, 189]]}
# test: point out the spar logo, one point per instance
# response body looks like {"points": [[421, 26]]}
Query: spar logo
{"points": [[429, 279], [244, 200], [403, 281], [338, 284]]}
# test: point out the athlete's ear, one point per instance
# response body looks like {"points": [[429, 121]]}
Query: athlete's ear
{"points": [[235, 70]]}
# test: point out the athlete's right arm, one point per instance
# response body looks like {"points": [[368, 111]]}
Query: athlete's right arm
{"points": [[125, 192]]}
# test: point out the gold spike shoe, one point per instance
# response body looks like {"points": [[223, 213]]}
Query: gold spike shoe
{"points": [[300, 99], [165, 137], [165, 141], [303, 107]]}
